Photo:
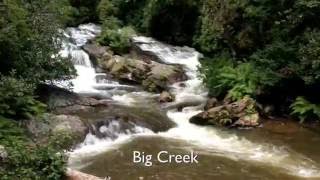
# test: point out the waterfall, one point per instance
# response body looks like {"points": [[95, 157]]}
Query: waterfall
{"points": [[87, 80], [209, 139]]}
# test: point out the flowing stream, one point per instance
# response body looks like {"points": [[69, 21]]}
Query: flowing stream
{"points": [[223, 154]]}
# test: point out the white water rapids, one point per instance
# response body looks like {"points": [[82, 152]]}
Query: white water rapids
{"points": [[210, 140]]}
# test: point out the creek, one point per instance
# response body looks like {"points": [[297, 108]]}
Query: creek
{"points": [[261, 153]]}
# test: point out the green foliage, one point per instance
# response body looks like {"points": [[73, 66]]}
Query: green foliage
{"points": [[305, 109], [118, 39], [173, 21], [32, 163], [106, 9], [26, 160], [10, 131], [131, 12], [28, 42], [221, 76], [17, 100], [83, 11], [309, 57], [61, 140]]}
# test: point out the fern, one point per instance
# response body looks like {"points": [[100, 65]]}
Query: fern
{"points": [[304, 109], [222, 76]]}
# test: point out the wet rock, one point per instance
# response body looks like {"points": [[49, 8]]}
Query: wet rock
{"points": [[94, 50], [140, 67], [146, 56], [144, 115], [242, 107], [63, 101], [214, 116], [126, 68], [161, 76], [212, 102], [153, 76], [56, 125], [240, 113], [77, 175], [250, 120], [182, 104], [165, 96]]}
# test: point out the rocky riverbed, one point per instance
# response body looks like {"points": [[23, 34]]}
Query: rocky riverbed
{"points": [[153, 99]]}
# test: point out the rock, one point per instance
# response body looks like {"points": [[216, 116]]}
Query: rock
{"points": [[146, 115], [212, 102], [126, 68], [51, 125], [63, 101], [148, 70], [214, 116], [55, 96], [161, 76], [3, 153], [153, 76], [250, 120], [240, 113], [97, 54], [242, 107], [165, 96], [77, 175], [94, 50]]}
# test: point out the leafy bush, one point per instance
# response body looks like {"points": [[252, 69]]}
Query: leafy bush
{"points": [[26, 160], [10, 130], [118, 39], [106, 9], [28, 42], [305, 109], [308, 67], [131, 12], [32, 163], [17, 100], [222, 76], [83, 11]]}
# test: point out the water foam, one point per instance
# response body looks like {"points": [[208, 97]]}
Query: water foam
{"points": [[93, 145], [210, 140]]}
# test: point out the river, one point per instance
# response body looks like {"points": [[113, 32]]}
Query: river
{"points": [[261, 153]]}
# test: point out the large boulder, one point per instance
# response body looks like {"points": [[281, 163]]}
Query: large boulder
{"points": [[63, 101], [242, 113], [126, 68], [162, 76], [56, 126], [95, 50], [148, 70], [128, 117], [153, 76]]}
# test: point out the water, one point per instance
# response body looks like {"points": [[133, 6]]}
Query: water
{"points": [[87, 80], [223, 154]]}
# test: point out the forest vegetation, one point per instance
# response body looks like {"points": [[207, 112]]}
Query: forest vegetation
{"points": [[268, 50]]}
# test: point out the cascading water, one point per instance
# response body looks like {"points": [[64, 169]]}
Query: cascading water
{"points": [[209, 137], [208, 140], [86, 81]]}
